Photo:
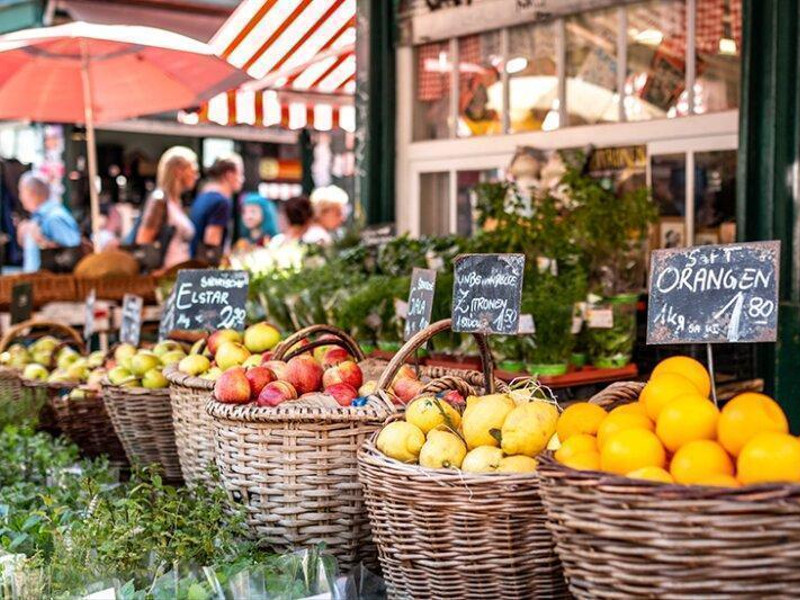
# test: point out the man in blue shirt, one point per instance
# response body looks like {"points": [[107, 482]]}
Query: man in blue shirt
{"points": [[50, 226], [211, 210]]}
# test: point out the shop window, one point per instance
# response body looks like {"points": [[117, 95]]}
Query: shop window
{"points": [[655, 78], [465, 196], [715, 197], [592, 68], [718, 41], [668, 180], [432, 95], [434, 203], [532, 78], [480, 88]]}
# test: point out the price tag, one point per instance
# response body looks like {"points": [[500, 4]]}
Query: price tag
{"points": [[714, 294], [600, 318], [88, 315], [526, 324], [21, 302], [206, 300], [487, 292], [420, 301], [131, 328]]}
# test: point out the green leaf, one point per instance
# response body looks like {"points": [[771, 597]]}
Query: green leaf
{"points": [[497, 435]]}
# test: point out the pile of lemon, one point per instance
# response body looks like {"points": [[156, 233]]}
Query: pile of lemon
{"points": [[675, 434], [498, 433]]}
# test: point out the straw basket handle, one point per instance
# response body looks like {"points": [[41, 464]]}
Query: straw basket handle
{"points": [[420, 339], [283, 350], [617, 394], [64, 330]]}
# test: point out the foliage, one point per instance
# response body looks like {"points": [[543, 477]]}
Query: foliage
{"points": [[615, 344], [369, 311]]}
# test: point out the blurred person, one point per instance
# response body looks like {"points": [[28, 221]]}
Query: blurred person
{"points": [[211, 210], [330, 211], [164, 219], [50, 225], [299, 214], [259, 221]]}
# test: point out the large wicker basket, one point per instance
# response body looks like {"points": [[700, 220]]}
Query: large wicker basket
{"points": [[142, 418], [448, 534], [194, 429], [624, 538], [294, 466]]}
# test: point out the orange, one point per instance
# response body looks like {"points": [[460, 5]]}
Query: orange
{"points": [[631, 449], [698, 460], [769, 457], [583, 442], [584, 461], [693, 370], [663, 388], [718, 480], [580, 417], [685, 419], [634, 408], [747, 415], [620, 421], [651, 474]]}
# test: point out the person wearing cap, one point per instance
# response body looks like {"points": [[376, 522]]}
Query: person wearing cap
{"points": [[330, 212]]}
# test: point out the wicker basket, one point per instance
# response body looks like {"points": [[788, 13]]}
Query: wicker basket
{"points": [[624, 538], [294, 466], [194, 429], [448, 534], [85, 421], [142, 418]]}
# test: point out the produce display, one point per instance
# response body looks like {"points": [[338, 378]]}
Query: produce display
{"points": [[495, 433], [48, 360], [675, 434], [142, 368]]}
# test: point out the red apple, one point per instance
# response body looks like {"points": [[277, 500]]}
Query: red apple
{"points": [[302, 343], [343, 393], [333, 356], [276, 392], [232, 387], [320, 351], [407, 389], [453, 397], [278, 367], [216, 339], [258, 378], [345, 372], [405, 372], [304, 373], [267, 356]]}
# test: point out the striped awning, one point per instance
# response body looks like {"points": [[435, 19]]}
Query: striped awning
{"points": [[301, 54]]}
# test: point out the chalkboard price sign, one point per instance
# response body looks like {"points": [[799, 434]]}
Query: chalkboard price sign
{"points": [[131, 328], [420, 301], [714, 294], [21, 302], [487, 292], [206, 300]]}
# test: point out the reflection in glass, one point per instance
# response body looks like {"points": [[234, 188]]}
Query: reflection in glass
{"points": [[532, 78], [719, 42], [434, 203], [432, 101], [592, 68], [668, 173], [656, 48], [480, 90], [715, 197], [465, 198]]}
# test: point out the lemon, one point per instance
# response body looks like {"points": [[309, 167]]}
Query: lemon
{"points": [[554, 443], [428, 413], [401, 440], [517, 464], [483, 459], [482, 416], [528, 428], [443, 449]]}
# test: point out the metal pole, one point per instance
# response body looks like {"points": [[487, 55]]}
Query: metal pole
{"points": [[710, 358], [91, 148]]}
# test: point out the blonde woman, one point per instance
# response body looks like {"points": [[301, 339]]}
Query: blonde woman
{"points": [[164, 219]]}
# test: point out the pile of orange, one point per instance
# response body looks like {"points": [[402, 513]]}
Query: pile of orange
{"points": [[675, 434]]}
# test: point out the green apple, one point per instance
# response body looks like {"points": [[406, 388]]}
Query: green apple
{"points": [[66, 357], [120, 376], [216, 339], [142, 362], [59, 376], [78, 394], [77, 372], [212, 374], [96, 359], [166, 346], [252, 361], [19, 358], [194, 364], [200, 347], [124, 351], [47, 343], [261, 337], [35, 371], [172, 357], [95, 377], [5, 357], [231, 354], [154, 379], [43, 357]]}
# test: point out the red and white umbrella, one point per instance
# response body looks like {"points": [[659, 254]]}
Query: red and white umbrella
{"points": [[89, 73]]}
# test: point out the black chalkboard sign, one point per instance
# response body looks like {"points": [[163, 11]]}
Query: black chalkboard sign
{"points": [[131, 327], [487, 291], [714, 294], [21, 302], [206, 299], [420, 301]]}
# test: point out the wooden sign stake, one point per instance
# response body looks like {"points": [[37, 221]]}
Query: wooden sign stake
{"points": [[710, 359]]}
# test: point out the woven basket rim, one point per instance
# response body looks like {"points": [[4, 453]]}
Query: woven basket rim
{"points": [[53, 385], [175, 377], [134, 391], [617, 485]]}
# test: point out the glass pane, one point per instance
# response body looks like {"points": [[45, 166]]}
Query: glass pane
{"points": [[592, 68], [532, 80], [480, 91], [656, 73], [465, 199], [719, 42], [432, 106], [434, 203], [715, 197], [669, 191]]}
